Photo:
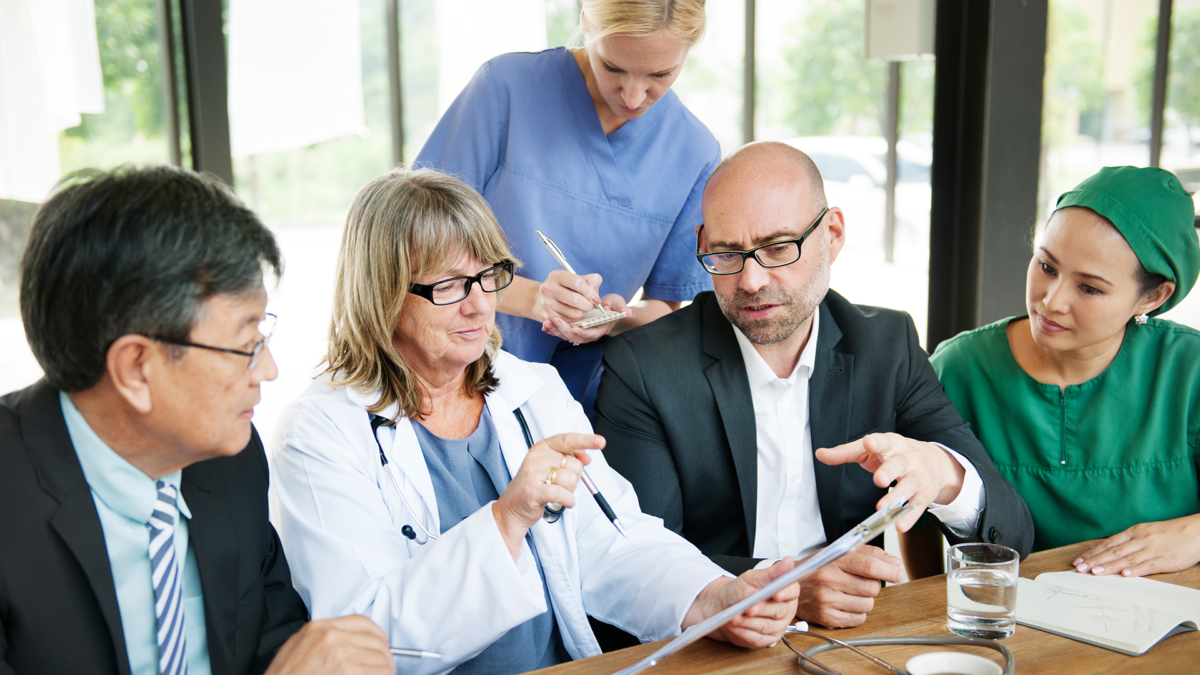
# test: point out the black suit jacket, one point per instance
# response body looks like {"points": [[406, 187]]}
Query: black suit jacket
{"points": [[676, 410], [58, 603]]}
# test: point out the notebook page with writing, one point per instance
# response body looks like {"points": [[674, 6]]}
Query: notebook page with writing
{"points": [[1137, 590], [1125, 615]]}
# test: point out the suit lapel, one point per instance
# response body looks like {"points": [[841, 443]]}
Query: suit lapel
{"points": [[76, 521], [731, 391], [212, 538], [829, 396]]}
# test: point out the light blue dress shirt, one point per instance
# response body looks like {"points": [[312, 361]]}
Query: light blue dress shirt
{"points": [[125, 498], [525, 134]]}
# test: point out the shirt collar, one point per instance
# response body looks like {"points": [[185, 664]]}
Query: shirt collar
{"points": [[120, 485], [757, 370]]}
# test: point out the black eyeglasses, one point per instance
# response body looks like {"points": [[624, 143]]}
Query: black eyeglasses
{"points": [[265, 328], [774, 254], [456, 289]]}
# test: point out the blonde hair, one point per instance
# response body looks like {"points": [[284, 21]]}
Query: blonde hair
{"points": [[401, 225], [683, 20]]}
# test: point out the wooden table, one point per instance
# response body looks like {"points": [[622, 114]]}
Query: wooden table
{"points": [[918, 608]]}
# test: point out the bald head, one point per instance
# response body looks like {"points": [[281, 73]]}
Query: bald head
{"points": [[768, 166], [762, 195]]}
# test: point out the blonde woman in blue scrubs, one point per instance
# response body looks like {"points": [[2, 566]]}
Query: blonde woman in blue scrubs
{"points": [[591, 147]]}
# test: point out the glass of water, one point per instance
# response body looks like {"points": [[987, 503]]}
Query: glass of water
{"points": [[981, 590]]}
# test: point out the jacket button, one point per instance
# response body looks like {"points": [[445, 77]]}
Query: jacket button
{"points": [[994, 535]]}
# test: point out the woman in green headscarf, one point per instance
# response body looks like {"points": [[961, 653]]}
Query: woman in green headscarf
{"points": [[1090, 407]]}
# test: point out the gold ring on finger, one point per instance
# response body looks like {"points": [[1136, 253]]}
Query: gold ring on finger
{"points": [[564, 463], [553, 473]]}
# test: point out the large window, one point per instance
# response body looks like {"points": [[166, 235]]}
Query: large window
{"points": [[817, 91], [311, 115], [1098, 106], [1181, 122], [711, 82], [78, 89], [1096, 110], [301, 176], [308, 127]]}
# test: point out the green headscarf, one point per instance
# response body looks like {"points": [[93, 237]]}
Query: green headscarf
{"points": [[1155, 215]]}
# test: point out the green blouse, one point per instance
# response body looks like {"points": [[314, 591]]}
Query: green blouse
{"points": [[1095, 458]]}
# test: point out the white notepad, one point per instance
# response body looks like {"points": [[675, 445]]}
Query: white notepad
{"points": [[1128, 615], [598, 316]]}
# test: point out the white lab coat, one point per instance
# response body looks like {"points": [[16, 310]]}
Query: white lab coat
{"points": [[340, 520]]}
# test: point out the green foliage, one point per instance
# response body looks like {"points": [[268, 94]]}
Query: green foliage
{"points": [[1183, 69], [562, 18], [1074, 82], [127, 32], [835, 87], [317, 183], [131, 127]]}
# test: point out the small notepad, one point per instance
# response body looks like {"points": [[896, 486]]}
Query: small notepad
{"points": [[598, 317], [1128, 615]]}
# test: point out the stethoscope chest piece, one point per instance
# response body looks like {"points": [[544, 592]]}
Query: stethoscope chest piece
{"points": [[406, 530]]}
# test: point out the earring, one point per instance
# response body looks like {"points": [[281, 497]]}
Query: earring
{"points": [[1141, 319]]}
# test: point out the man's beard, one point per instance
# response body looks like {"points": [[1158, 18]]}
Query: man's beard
{"points": [[797, 305]]}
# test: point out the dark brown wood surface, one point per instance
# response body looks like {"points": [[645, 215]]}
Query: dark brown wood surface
{"points": [[918, 608]]}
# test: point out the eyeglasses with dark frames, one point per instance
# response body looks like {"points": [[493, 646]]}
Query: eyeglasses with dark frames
{"points": [[456, 289], [774, 254], [266, 328]]}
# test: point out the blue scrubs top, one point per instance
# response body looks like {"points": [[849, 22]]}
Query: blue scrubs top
{"points": [[525, 134]]}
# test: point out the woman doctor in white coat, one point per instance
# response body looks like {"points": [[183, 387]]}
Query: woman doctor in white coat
{"points": [[410, 491]]}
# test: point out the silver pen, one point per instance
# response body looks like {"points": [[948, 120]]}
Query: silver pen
{"points": [[587, 480], [599, 315]]}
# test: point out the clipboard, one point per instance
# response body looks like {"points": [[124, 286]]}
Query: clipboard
{"points": [[861, 534], [598, 315]]}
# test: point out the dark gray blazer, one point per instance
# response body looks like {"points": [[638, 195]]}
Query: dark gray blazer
{"points": [[676, 410], [58, 604]]}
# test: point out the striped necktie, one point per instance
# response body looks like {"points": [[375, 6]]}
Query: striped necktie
{"points": [[168, 591]]}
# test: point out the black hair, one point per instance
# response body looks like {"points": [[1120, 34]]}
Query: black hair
{"points": [[132, 250], [1148, 281]]}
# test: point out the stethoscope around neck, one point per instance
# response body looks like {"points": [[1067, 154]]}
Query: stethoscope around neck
{"points": [[551, 513]]}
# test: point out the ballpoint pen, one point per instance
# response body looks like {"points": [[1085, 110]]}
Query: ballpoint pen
{"points": [[587, 480], [612, 515], [598, 316]]}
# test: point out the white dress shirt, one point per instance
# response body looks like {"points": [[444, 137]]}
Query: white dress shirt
{"points": [[788, 518]]}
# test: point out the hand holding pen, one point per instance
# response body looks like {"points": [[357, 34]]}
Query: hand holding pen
{"points": [[549, 474], [575, 311]]}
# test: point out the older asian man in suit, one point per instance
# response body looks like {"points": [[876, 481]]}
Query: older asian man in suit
{"points": [[134, 488], [738, 419]]}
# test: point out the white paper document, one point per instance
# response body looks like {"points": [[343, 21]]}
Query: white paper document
{"points": [[1128, 615]]}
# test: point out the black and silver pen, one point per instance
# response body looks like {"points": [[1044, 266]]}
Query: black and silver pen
{"points": [[612, 515]]}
